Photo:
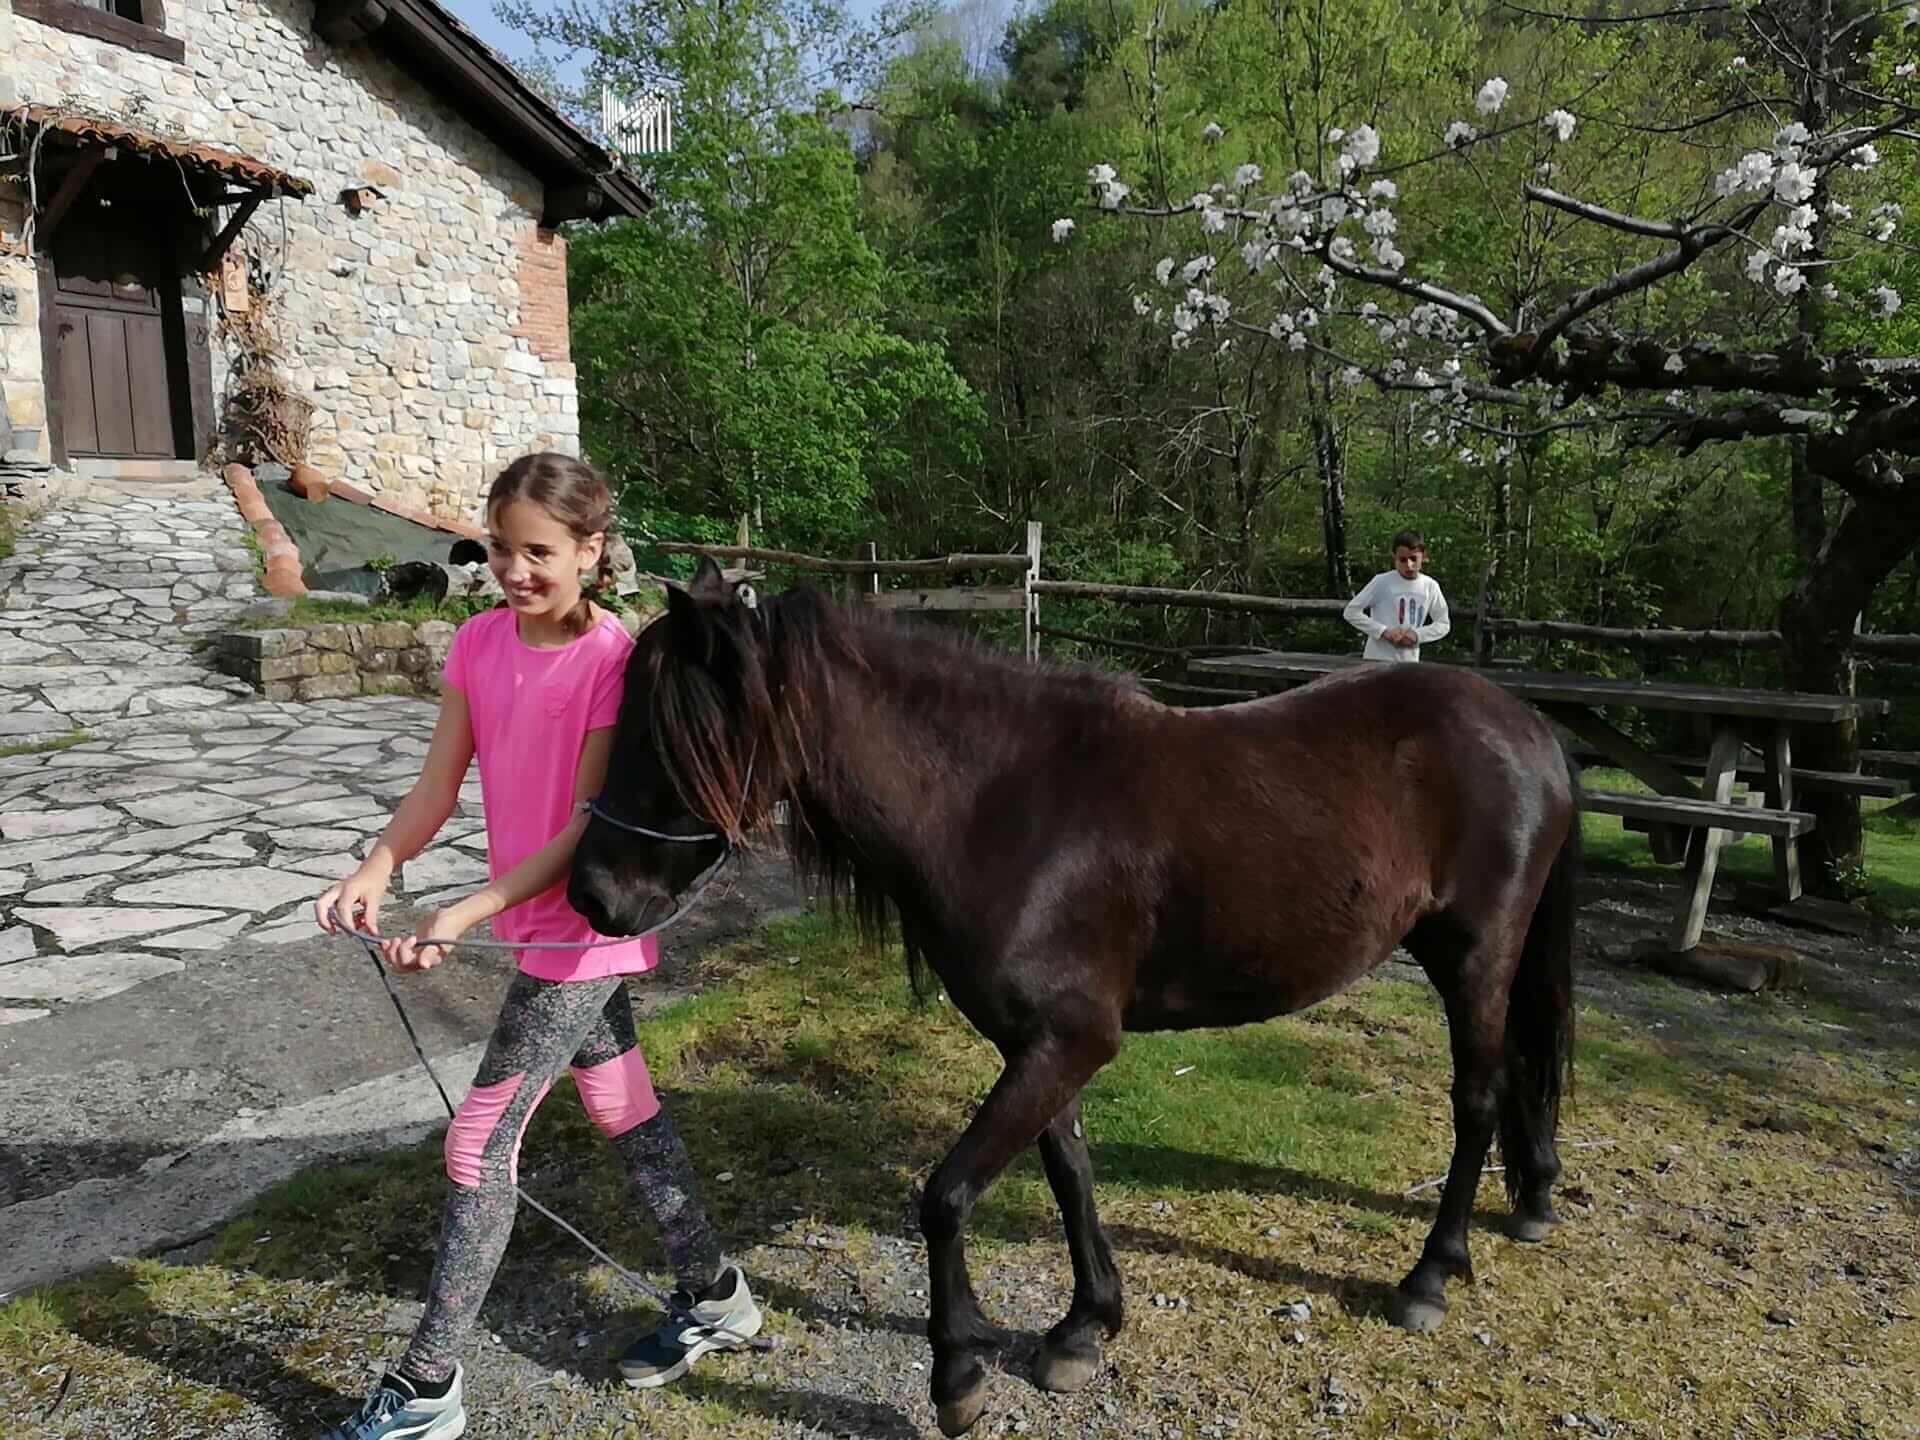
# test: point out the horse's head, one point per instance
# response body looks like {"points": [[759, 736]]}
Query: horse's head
{"points": [[696, 752]]}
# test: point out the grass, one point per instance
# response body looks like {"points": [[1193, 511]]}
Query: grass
{"points": [[42, 747], [9, 531], [1239, 1170]]}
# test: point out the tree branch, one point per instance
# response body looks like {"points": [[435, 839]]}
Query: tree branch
{"points": [[1470, 309]]}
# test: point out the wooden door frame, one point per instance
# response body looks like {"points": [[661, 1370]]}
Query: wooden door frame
{"points": [[187, 340]]}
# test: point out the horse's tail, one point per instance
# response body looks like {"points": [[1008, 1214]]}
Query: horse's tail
{"points": [[1540, 1019]]}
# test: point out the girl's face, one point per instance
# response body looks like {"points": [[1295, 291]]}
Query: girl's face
{"points": [[537, 561]]}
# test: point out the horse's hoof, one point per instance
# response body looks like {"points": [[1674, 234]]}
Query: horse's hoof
{"points": [[1531, 1229], [1416, 1313], [1066, 1368], [958, 1416]]}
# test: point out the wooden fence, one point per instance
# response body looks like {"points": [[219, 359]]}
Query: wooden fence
{"points": [[863, 581]]}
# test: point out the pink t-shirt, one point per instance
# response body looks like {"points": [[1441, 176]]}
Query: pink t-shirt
{"points": [[532, 709]]}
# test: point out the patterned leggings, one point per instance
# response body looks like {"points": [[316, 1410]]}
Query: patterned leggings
{"points": [[542, 1023]]}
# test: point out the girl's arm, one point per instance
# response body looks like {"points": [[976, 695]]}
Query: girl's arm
{"points": [[415, 821], [535, 875]]}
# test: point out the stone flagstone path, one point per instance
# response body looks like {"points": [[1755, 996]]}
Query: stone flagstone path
{"points": [[107, 600]]}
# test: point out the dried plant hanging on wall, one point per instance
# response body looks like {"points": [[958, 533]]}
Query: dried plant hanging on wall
{"points": [[265, 417]]}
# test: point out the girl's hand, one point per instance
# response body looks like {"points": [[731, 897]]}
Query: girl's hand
{"points": [[355, 900], [427, 946]]}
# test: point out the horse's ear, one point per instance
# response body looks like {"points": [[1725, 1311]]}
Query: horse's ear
{"points": [[708, 583], [690, 624]]}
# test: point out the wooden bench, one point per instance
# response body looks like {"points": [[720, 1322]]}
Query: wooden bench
{"points": [[1831, 782], [1697, 814]]}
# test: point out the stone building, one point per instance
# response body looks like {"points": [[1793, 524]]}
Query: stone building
{"points": [[243, 229]]}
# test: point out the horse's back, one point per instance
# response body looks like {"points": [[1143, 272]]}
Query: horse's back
{"points": [[1308, 833]]}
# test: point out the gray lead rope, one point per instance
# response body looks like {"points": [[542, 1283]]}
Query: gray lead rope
{"points": [[371, 944]]}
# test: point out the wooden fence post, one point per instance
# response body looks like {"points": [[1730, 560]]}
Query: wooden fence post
{"points": [[1033, 600], [1482, 629], [870, 551]]}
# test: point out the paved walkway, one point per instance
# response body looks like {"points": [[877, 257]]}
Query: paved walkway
{"points": [[174, 1033]]}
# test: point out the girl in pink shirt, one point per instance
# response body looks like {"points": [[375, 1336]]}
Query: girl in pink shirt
{"points": [[533, 689]]}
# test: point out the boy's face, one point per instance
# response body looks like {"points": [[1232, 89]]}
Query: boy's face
{"points": [[1408, 561]]}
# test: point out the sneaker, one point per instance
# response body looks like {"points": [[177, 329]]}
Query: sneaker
{"points": [[396, 1412], [691, 1330]]}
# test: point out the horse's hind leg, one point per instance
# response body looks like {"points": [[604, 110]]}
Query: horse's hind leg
{"points": [[1070, 1356], [1473, 979]]}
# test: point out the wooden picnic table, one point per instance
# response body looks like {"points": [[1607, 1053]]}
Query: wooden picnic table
{"points": [[1763, 718]]}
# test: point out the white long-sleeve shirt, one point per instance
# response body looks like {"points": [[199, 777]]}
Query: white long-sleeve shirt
{"points": [[1390, 602]]}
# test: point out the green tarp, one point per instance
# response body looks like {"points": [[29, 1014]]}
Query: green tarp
{"points": [[337, 538]]}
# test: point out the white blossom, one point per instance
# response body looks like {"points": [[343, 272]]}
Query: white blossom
{"points": [[1421, 377], [1492, 96], [1213, 131], [1791, 240], [1363, 145], [1381, 222], [1333, 210], [1290, 218], [1739, 62], [1906, 71], [1674, 364], [1185, 318], [1544, 170], [1793, 183], [1196, 267], [1754, 172], [1163, 269], [1829, 291], [1803, 216], [1309, 317], [1246, 177], [1676, 397], [1341, 249], [1256, 253], [1345, 164], [1885, 220], [1388, 254], [1369, 311], [1296, 341], [1142, 306], [1789, 279], [1396, 368], [1300, 182], [1327, 278], [1838, 211], [1383, 190], [1788, 140], [1061, 230], [1112, 193], [1281, 326], [1465, 455], [1213, 220], [1224, 346], [1101, 175], [1561, 123], [1802, 417], [1888, 300], [1458, 133], [1430, 437], [1202, 200], [1863, 158], [1913, 15], [1218, 308], [1352, 376], [1757, 264], [1180, 339]]}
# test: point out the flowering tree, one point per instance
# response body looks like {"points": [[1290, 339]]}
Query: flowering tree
{"points": [[1741, 311]]}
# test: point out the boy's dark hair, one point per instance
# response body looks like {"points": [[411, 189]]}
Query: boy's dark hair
{"points": [[1411, 539]]}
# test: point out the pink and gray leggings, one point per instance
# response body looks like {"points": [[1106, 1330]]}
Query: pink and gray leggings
{"points": [[542, 1022]]}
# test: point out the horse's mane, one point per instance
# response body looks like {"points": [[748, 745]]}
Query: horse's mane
{"points": [[740, 734]]}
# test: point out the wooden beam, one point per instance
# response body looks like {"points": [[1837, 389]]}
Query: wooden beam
{"points": [[1012, 564], [1703, 853], [232, 229], [56, 209], [958, 598]]}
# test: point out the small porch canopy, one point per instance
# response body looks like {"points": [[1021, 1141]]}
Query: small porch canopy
{"points": [[212, 176]]}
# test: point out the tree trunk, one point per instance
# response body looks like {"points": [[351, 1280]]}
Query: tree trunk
{"points": [[1330, 456], [1817, 619]]}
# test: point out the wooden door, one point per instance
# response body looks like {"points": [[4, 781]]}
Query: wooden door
{"points": [[114, 380]]}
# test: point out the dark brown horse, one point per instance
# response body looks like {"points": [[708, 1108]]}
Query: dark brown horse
{"points": [[1074, 860]]}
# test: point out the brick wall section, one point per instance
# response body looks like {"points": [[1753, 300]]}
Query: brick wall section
{"points": [[542, 275]]}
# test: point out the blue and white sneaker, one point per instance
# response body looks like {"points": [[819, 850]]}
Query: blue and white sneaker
{"points": [[725, 1321], [396, 1412]]}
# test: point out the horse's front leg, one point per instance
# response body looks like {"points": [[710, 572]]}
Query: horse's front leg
{"points": [[1038, 1083], [1071, 1354]]}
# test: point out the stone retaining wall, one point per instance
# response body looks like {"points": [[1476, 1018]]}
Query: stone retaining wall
{"points": [[323, 662]]}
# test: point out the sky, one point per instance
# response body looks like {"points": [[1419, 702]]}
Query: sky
{"points": [[478, 17]]}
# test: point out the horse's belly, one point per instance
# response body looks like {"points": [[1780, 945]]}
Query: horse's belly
{"points": [[1198, 991]]}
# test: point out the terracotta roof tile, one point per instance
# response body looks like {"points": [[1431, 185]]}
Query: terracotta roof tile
{"points": [[259, 176]]}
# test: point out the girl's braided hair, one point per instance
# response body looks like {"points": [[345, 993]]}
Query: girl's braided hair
{"points": [[575, 495]]}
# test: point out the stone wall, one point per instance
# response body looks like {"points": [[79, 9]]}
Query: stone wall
{"points": [[323, 662], [426, 330]]}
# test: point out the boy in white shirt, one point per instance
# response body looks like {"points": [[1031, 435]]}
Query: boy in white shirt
{"points": [[1400, 608]]}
